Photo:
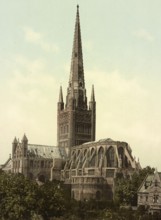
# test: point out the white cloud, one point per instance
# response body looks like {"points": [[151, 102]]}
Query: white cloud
{"points": [[126, 111], [144, 34], [29, 105], [38, 38]]}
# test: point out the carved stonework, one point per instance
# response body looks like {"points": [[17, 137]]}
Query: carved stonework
{"points": [[63, 117], [83, 117]]}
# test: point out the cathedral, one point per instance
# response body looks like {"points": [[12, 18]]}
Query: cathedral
{"points": [[86, 166]]}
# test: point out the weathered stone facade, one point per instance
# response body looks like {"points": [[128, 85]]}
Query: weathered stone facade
{"points": [[92, 167], [34, 161]]}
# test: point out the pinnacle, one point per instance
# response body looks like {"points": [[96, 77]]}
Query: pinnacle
{"points": [[24, 139], [15, 141], [61, 95], [92, 94]]}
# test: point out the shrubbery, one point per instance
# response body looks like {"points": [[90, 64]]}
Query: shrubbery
{"points": [[23, 199]]}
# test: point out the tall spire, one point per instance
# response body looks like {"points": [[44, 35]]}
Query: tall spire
{"points": [[77, 71], [76, 120]]}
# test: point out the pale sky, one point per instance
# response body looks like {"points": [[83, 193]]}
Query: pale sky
{"points": [[121, 42]]}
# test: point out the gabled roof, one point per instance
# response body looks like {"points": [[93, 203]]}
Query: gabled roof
{"points": [[149, 181], [7, 165], [44, 151], [146, 183]]}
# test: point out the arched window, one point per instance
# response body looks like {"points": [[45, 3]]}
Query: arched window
{"points": [[126, 162], [110, 155], [85, 152], [92, 158], [100, 156], [78, 152], [121, 152]]}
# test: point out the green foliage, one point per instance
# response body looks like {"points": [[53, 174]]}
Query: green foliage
{"points": [[51, 200], [17, 196], [21, 198], [126, 188]]}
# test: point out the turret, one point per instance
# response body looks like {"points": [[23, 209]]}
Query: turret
{"points": [[92, 102], [24, 143], [92, 107], [14, 145]]}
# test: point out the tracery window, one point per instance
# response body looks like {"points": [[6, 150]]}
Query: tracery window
{"points": [[110, 155], [121, 152], [100, 156], [92, 157]]}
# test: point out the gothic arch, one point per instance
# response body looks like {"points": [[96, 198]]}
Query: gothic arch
{"points": [[111, 157], [73, 152], [121, 152], [100, 156], [92, 157], [126, 162], [78, 153], [85, 152]]}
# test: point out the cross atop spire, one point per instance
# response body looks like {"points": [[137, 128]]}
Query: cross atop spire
{"points": [[77, 70]]}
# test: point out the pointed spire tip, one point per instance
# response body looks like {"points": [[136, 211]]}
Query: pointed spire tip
{"points": [[61, 95], [24, 139], [92, 94], [15, 141]]}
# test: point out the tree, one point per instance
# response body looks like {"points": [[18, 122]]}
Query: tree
{"points": [[126, 188], [51, 200], [17, 196], [21, 198]]}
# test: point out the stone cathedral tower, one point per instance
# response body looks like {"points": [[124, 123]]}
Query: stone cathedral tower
{"points": [[76, 121]]}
